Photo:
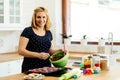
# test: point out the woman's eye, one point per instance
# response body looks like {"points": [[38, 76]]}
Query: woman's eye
{"points": [[44, 17], [38, 17]]}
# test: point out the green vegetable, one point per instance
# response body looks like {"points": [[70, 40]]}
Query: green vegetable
{"points": [[57, 56]]}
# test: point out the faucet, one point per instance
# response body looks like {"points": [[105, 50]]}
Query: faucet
{"points": [[110, 40], [110, 37]]}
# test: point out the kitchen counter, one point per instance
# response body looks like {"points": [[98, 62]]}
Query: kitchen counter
{"points": [[112, 74], [4, 57]]}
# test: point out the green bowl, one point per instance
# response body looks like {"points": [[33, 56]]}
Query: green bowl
{"points": [[59, 59]]}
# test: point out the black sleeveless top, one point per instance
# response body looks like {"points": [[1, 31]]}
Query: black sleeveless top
{"points": [[36, 44]]}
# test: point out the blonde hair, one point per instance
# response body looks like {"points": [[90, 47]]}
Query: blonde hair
{"points": [[33, 22]]}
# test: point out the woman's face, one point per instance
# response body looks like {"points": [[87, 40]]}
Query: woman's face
{"points": [[41, 19]]}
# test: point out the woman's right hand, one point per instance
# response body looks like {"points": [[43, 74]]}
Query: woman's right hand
{"points": [[43, 55]]}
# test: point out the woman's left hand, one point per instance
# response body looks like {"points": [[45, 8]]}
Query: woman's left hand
{"points": [[44, 56]]}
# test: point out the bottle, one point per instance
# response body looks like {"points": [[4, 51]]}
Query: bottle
{"points": [[96, 64], [90, 57], [87, 63], [96, 60], [104, 63], [101, 42]]}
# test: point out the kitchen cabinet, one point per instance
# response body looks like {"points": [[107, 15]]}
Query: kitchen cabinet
{"points": [[3, 68], [10, 67], [10, 15], [15, 14]]}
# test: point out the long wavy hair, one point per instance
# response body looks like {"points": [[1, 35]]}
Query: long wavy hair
{"points": [[48, 22]]}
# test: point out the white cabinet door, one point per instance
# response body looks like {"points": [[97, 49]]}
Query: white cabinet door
{"points": [[14, 67], [11, 67], [3, 69]]}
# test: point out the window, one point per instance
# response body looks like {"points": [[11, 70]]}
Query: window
{"points": [[9, 11], [96, 19], [1, 11], [14, 11]]}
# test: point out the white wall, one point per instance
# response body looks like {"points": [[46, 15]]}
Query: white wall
{"points": [[9, 39]]}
